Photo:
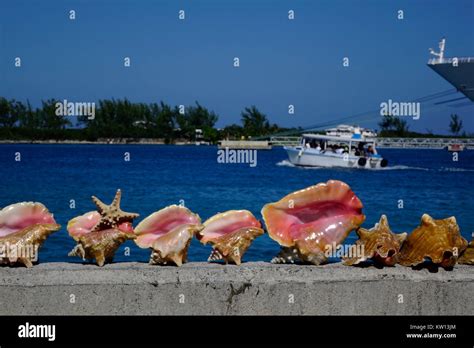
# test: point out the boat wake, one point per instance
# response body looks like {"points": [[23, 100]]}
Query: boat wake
{"points": [[401, 167], [286, 163], [453, 169]]}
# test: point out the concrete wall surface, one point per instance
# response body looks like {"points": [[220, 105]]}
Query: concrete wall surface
{"points": [[252, 288]]}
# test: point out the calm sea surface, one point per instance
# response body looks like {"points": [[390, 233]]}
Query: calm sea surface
{"points": [[428, 181]]}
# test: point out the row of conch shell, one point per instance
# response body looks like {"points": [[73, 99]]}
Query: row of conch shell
{"points": [[310, 222], [437, 241], [23, 229], [306, 223], [167, 232]]}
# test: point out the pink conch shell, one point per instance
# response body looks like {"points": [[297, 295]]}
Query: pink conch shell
{"points": [[306, 222], [437, 240], [23, 229], [168, 232], [100, 234], [230, 235], [379, 244], [16, 217]]}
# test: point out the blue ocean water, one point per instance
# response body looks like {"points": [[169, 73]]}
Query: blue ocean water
{"points": [[428, 181]]}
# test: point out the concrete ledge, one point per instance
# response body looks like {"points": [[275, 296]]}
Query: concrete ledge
{"points": [[245, 144], [252, 288]]}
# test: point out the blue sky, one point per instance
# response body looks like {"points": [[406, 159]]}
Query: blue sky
{"points": [[282, 62]]}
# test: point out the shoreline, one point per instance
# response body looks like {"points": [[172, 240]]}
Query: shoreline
{"points": [[234, 144], [97, 142], [253, 288]]}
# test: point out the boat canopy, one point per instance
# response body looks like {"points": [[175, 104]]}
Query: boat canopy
{"points": [[336, 138]]}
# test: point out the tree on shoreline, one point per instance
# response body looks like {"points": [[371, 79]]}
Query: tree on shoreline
{"points": [[9, 112], [393, 126], [455, 125], [50, 120], [255, 123], [29, 118], [196, 117]]}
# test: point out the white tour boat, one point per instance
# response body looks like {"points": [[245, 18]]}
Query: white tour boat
{"points": [[354, 151]]}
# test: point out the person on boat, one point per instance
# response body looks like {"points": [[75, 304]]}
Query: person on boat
{"points": [[323, 145], [370, 150]]}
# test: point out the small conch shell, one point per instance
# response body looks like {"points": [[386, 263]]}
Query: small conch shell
{"points": [[306, 222], [100, 234], [168, 232], [379, 244], [438, 240], [100, 245], [23, 229], [230, 234], [467, 257]]}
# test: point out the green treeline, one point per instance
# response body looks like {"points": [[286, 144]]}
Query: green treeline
{"points": [[391, 126], [119, 118]]}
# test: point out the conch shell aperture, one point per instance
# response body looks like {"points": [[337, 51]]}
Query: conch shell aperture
{"points": [[307, 221], [168, 232], [99, 234], [379, 244], [230, 234], [23, 229], [437, 240]]}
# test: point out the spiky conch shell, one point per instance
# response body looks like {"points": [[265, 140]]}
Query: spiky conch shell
{"points": [[467, 257], [99, 245], [379, 244], [23, 229], [100, 234], [307, 221], [168, 233], [230, 233], [438, 240]]}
